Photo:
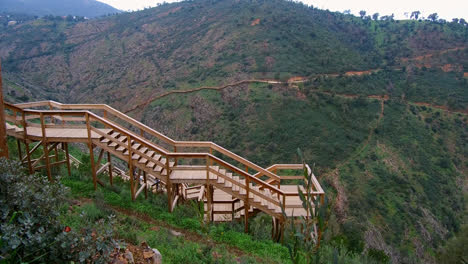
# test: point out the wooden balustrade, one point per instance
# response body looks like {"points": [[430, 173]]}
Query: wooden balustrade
{"points": [[74, 113]]}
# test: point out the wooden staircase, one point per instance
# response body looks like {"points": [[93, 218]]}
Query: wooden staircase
{"points": [[190, 170]]}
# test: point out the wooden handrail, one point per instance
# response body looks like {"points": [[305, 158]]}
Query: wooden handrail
{"points": [[152, 132], [73, 110]]}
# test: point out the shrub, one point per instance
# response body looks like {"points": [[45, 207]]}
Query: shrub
{"points": [[30, 209]]}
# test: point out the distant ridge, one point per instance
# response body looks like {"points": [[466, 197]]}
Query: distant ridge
{"points": [[86, 8]]}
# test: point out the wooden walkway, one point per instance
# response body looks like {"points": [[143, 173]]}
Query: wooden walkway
{"points": [[183, 169]]}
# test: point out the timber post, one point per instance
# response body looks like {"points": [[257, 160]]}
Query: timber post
{"points": [[110, 168], [46, 148], [168, 185], [246, 203], [3, 134], [67, 156], [130, 167], [91, 151]]}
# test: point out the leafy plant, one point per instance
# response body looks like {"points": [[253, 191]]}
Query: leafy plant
{"points": [[30, 227]]}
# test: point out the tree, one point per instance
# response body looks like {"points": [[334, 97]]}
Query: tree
{"points": [[362, 13], [433, 17], [415, 15], [375, 16]]}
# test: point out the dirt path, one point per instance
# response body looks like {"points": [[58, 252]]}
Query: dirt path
{"points": [[159, 96], [440, 107], [298, 80], [187, 235]]}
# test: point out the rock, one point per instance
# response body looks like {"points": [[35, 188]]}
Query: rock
{"points": [[175, 233], [157, 257], [148, 253], [129, 256]]}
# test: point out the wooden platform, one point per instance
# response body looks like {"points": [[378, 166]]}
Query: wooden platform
{"points": [[63, 134]]}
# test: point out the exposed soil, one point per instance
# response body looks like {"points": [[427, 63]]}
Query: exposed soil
{"points": [[359, 73], [441, 107], [255, 22]]}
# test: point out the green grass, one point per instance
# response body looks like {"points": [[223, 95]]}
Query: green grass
{"points": [[183, 217]]}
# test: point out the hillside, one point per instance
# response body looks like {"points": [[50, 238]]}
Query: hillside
{"points": [[85, 8], [382, 111]]}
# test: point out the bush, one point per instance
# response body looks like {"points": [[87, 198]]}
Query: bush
{"points": [[30, 209]]}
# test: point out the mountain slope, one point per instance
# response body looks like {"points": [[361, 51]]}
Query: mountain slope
{"points": [[382, 112], [86, 8]]}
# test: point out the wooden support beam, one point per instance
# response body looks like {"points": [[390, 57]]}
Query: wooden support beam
{"points": [[32, 150], [130, 167], [3, 134], [168, 185], [208, 189], [110, 167], [25, 135], [209, 206], [146, 184], [36, 161], [56, 152], [140, 190], [46, 149], [100, 183], [103, 167], [246, 202], [67, 157], [50, 164], [91, 152], [101, 153]]}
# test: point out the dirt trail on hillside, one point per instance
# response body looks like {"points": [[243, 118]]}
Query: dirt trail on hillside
{"points": [[200, 89], [440, 107], [299, 79]]}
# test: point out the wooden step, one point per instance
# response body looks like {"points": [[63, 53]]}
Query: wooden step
{"points": [[136, 146], [121, 148], [150, 164], [242, 191], [114, 134], [235, 187], [104, 140], [220, 180], [228, 184]]}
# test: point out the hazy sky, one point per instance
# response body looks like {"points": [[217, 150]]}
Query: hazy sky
{"points": [[446, 9]]}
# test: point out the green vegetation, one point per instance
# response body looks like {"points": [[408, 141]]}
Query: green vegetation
{"points": [[395, 175], [31, 230]]}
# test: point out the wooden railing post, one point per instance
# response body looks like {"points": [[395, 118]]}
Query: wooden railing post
{"points": [[246, 203], [25, 134], [110, 168], [175, 150], [46, 150], [168, 186], [91, 151], [130, 167], [67, 156], [209, 196]]}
